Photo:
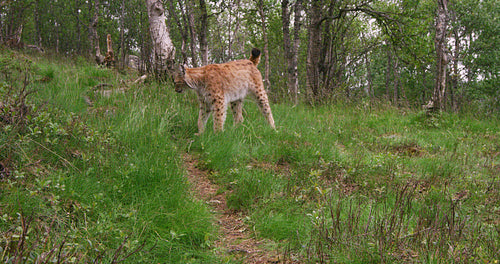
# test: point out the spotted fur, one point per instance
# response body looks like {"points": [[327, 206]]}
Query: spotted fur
{"points": [[218, 85]]}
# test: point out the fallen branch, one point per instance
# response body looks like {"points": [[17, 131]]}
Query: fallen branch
{"points": [[141, 79], [35, 47]]}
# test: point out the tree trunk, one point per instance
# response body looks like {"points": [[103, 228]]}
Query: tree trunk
{"points": [[291, 51], [78, 27], [122, 36], [202, 35], [38, 34], [396, 81], [455, 94], [163, 51], [438, 97], [388, 74], [99, 58], [173, 13], [369, 80], [294, 78], [109, 59], [314, 50], [260, 5], [192, 32]]}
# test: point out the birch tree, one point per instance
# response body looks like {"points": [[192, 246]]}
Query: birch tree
{"points": [[99, 58], [163, 51], [261, 11], [438, 97]]}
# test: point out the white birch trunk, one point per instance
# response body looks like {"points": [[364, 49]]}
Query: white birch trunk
{"points": [[438, 97], [163, 50]]}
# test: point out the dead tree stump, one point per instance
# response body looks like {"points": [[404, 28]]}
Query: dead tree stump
{"points": [[109, 59]]}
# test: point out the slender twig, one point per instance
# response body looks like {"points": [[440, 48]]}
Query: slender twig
{"points": [[57, 155]]}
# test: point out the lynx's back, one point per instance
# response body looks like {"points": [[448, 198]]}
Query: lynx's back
{"points": [[219, 85]]}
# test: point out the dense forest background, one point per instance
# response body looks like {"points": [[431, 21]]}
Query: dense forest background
{"points": [[312, 50]]}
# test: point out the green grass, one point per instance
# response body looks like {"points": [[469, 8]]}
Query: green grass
{"points": [[340, 183], [97, 183], [345, 183]]}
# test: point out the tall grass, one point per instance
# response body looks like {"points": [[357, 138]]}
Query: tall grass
{"points": [[358, 184], [100, 183], [341, 183]]}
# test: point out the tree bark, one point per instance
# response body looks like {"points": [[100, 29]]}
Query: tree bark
{"points": [[182, 30], [395, 71], [314, 50], [163, 51], [455, 95], [293, 77], [388, 74], [438, 97], [99, 58], [109, 59], [291, 56], [369, 80], [202, 35], [38, 34], [78, 27], [192, 32], [122, 35], [260, 5]]}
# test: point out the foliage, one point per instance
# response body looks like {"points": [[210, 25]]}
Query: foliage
{"points": [[369, 49], [81, 184]]}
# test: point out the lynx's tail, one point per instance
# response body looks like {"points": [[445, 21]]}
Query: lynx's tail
{"points": [[255, 57]]}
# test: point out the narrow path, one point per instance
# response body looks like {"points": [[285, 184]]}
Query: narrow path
{"points": [[235, 239]]}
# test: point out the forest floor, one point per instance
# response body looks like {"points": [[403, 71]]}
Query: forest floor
{"points": [[235, 240]]}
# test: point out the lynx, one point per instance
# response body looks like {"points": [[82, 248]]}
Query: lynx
{"points": [[218, 85]]}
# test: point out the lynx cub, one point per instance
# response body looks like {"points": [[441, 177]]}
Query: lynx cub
{"points": [[218, 85]]}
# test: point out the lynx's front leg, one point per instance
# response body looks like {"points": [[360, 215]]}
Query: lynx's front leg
{"points": [[203, 116], [219, 113]]}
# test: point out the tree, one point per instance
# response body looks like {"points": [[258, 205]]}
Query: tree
{"points": [[181, 25], [291, 51], [476, 24], [163, 51], [202, 34], [438, 97], [314, 48], [99, 58], [260, 9]]}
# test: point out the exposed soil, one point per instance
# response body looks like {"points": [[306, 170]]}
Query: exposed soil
{"points": [[235, 237]]}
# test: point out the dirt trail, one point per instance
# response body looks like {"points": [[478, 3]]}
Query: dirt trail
{"points": [[235, 239]]}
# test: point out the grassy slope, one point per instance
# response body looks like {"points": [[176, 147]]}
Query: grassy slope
{"points": [[362, 183], [344, 183], [102, 181]]}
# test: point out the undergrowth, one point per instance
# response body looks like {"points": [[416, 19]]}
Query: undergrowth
{"points": [[91, 170], [357, 184], [82, 177]]}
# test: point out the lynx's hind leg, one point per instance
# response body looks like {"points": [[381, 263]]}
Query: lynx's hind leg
{"points": [[265, 108], [237, 107]]}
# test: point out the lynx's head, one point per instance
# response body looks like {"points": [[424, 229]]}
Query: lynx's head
{"points": [[180, 79]]}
